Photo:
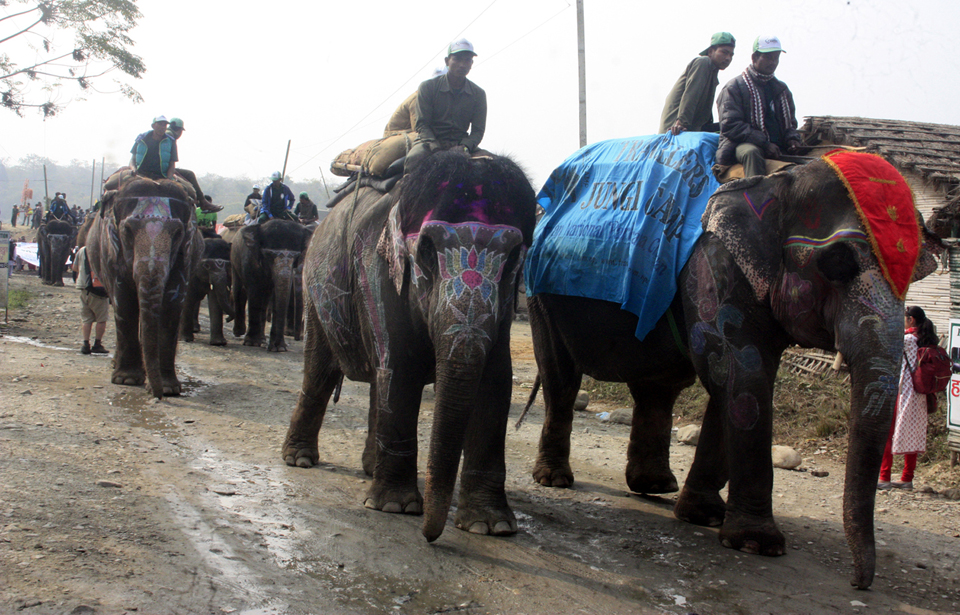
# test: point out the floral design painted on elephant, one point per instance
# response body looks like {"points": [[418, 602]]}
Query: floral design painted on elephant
{"points": [[428, 302], [143, 246]]}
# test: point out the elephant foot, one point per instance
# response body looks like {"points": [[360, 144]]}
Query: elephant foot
{"points": [[752, 534], [239, 331], [218, 341], [649, 480], [406, 500], [252, 341], [170, 386], [196, 327], [130, 376], [552, 474], [493, 521], [47, 283], [299, 454], [186, 337], [58, 283], [706, 508], [278, 347]]}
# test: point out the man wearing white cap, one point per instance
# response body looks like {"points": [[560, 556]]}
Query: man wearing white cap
{"points": [[758, 119], [154, 153], [447, 106]]}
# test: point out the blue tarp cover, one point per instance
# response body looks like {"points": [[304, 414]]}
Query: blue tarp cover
{"points": [[621, 220]]}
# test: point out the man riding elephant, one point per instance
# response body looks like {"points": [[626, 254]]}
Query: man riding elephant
{"points": [[175, 130], [277, 200], [154, 153]]}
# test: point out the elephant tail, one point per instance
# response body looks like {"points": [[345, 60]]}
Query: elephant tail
{"points": [[530, 400]]}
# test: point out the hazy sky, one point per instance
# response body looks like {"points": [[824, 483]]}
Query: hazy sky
{"points": [[247, 76]]}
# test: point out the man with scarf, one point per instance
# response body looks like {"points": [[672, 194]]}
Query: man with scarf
{"points": [[758, 119]]}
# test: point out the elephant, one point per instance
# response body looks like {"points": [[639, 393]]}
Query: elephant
{"points": [[55, 242], [784, 259], [410, 287], [211, 279], [263, 260], [143, 245]]}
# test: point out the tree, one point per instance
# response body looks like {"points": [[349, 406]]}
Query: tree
{"points": [[37, 29]]}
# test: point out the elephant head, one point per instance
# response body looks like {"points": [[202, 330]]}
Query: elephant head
{"points": [[455, 245], [270, 253], [830, 250], [144, 245], [216, 269], [55, 241]]}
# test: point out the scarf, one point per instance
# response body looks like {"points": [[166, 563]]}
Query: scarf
{"points": [[752, 77]]}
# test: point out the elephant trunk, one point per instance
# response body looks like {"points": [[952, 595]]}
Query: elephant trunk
{"points": [[457, 385], [282, 271], [154, 246], [220, 281], [874, 362]]}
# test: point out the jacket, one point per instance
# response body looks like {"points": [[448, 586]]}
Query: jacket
{"points": [[444, 115], [691, 99], [733, 106]]}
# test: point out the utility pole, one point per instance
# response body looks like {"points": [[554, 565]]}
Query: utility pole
{"points": [[581, 57], [93, 180], [46, 190], [283, 174]]}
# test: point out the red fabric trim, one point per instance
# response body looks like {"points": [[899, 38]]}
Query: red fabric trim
{"points": [[885, 205]]}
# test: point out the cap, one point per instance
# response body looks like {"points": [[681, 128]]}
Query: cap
{"points": [[275, 176], [439, 71], [720, 38], [176, 123], [160, 118], [256, 186], [461, 46], [304, 194], [766, 44]]}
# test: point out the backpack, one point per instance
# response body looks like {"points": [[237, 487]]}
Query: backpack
{"points": [[932, 371]]}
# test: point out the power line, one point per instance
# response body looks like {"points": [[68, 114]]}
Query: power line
{"points": [[392, 94]]}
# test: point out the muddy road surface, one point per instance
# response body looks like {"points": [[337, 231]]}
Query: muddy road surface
{"points": [[112, 502]]}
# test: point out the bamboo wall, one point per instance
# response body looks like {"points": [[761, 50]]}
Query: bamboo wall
{"points": [[933, 292]]}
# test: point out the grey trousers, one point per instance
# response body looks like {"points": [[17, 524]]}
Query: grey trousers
{"points": [[751, 157]]}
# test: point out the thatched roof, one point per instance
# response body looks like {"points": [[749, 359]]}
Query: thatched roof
{"points": [[931, 150]]}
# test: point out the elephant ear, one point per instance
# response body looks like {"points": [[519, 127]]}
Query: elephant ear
{"points": [[746, 216], [394, 248], [106, 201]]}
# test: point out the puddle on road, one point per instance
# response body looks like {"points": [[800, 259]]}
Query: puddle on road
{"points": [[145, 412], [33, 342]]}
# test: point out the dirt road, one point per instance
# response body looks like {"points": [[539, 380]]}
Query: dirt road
{"points": [[111, 502]]}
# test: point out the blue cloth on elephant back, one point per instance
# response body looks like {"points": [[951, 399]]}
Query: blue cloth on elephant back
{"points": [[621, 220]]}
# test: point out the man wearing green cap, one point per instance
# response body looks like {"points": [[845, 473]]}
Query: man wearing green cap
{"points": [[758, 119], [447, 106], [689, 104], [306, 210], [175, 129]]}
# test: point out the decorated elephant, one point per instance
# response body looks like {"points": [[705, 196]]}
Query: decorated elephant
{"points": [[55, 242], [143, 245], [211, 279], [412, 287], [820, 256], [263, 261]]}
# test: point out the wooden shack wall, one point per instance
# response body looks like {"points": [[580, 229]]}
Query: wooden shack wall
{"points": [[933, 292]]}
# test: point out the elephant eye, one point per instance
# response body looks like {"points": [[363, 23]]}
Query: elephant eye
{"points": [[838, 263]]}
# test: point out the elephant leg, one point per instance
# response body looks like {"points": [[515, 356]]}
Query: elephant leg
{"points": [[394, 487], [320, 377], [186, 325], [128, 358], [239, 306], [699, 502], [215, 311], [369, 457], [648, 454], [560, 381], [171, 313], [257, 314], [193, 312], [483, 507]]}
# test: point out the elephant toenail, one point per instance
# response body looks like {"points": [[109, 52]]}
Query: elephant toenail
{"points": [[479, 528], [751, 546], [368, 503], [392, 507], [726, 542], [304, 462], [503, 527], [413, 508], [289, 460]]}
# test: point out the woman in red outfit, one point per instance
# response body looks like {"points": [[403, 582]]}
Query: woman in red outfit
{"points": [[908, 434]]}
